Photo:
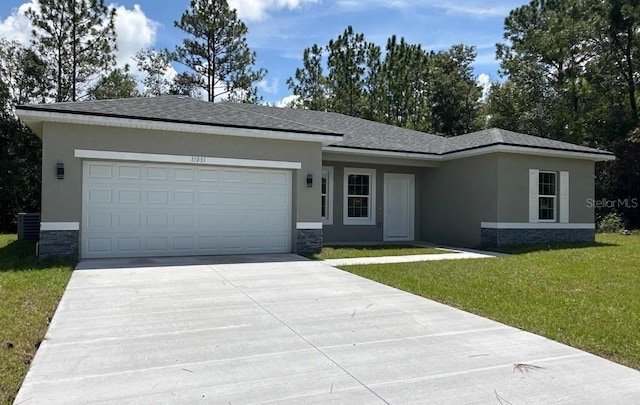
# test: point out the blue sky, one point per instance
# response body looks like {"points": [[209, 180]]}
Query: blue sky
{"points": [[279, 30]]}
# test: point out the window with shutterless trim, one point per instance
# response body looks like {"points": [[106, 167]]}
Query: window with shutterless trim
{"points": [[359, 196]]}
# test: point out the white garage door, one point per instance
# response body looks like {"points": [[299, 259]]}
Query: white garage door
{"points": [[147, 209]]}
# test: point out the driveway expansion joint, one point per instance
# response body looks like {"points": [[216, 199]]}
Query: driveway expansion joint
{"points": [[316, 348]]}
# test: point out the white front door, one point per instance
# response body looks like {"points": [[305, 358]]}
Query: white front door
{"points": [[399, 206]]}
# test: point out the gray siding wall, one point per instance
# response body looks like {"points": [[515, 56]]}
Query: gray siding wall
{"points": [[457, 197], [338, 232], [62, 199], [513, 186]]}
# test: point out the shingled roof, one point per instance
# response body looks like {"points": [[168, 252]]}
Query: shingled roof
{"points": [[356, 133]]}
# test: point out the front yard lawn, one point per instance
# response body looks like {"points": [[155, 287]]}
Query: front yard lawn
{"points": [[29, 294], [585, 296], [348, 252]]}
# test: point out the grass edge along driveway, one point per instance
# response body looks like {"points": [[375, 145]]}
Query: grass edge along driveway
{"points": [[356, 251], [30, 291], [586, 296]]}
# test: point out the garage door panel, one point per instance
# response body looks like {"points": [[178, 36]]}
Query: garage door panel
{"points": [[100, 196], [157, 173], [98, 246], [128, 244], [183, 197], [209, 175], [279, 178], [183, 174], [157, 197], [129, 172], [100, 170], [183, 220], [128, 196], [156, 244], [133, 210], [128, 220], [208, 198]]}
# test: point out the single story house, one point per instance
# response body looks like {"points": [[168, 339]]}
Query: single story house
{"points": [[172, 176]]}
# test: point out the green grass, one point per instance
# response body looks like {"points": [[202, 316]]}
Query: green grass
{"points": [[585, 296], [348, 252], [29, 294]]}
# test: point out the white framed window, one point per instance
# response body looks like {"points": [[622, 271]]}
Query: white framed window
{"points": [[359, 197], [327, 195], [548, 196]]}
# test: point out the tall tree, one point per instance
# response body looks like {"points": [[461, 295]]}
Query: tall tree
{"points": [[21, 81], [119, 83], [454, 91], [154, 65], [217, 52], [346, 62], [23, 73], [549, 44], [620, 44], [183, 84], [77, 39], [409, 87], [309, 83]]}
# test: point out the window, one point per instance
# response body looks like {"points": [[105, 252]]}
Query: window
{"points": [[327, 195], [548, 196], [547, 193], [359, 196]]}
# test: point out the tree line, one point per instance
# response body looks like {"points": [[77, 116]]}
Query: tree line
{"points": [[405, 85], [568, 71]]}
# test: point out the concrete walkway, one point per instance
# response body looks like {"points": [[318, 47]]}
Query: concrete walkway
{"points": [[447, 254], [281, 329]]}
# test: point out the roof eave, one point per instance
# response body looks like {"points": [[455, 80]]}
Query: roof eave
{"points": [[34, 118], [350, 150], [481, 150], [529, 150]]}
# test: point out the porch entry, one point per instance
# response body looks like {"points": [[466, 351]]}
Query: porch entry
{"points": [[399, 207]]}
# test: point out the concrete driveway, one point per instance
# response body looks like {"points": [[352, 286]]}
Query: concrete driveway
{"points": [[280, 329]]}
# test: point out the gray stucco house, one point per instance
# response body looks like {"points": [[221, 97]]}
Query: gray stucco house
{"points": [[172, 176]]}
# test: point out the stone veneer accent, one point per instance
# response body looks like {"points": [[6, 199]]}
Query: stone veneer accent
{"points": [[502, 237], [58, 244], [308, 240]]}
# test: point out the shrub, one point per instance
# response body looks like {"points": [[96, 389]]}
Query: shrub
{"points": [[610, 223]]}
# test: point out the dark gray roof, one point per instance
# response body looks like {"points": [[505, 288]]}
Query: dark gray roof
{"points": [[179, 109], [356, 133], [497, 136]]}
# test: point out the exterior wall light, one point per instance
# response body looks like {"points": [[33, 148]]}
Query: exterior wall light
{"points": [[309, 180], [60, 170]]}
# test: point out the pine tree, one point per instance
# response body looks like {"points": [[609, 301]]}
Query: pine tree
{"points": [[217, 52], [77, 39], [120, 83], [309, 82]]}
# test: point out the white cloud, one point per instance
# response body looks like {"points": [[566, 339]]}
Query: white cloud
{"points": [[473, 8], [17, 27], [287, 101], [476, 10], [268, 87], [134, 31], [257, 9], [484, 81]]}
